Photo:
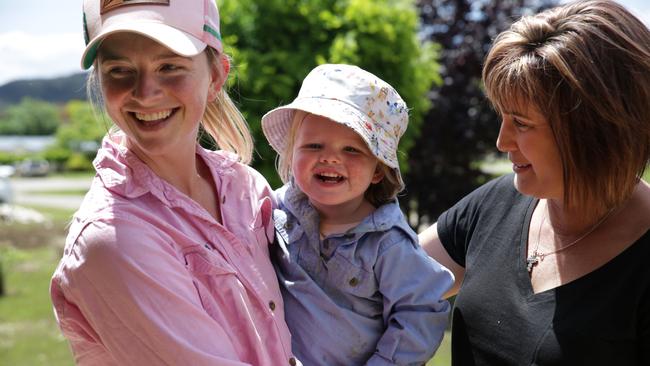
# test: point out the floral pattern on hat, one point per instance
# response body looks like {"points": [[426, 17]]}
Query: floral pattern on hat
{"points": [[353, 97]]}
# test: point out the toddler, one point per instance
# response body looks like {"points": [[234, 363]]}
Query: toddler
{"points": [[356, 285]]}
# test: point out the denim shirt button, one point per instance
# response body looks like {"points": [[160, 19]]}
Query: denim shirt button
{"points": [[288, 225], [292, 361], [353, 281]]}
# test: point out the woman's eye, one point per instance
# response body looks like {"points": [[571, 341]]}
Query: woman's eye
{"points": [[312, 146], [352, 149], [118, 71], [519, 125], [170, 67]]}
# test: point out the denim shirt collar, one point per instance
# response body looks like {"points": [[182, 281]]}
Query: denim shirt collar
{"points": [[384, 218]]}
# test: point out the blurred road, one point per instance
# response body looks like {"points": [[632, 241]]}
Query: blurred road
{"points": [[39, 191]]}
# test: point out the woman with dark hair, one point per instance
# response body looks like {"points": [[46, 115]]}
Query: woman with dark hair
{"points": [[551, 262]]}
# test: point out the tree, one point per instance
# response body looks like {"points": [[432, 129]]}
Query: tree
{"points": [[275, 43], [78, 137], [30, 117], [461, 128]]}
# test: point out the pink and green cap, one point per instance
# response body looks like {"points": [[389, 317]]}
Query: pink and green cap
{"points": [[184, 26]]}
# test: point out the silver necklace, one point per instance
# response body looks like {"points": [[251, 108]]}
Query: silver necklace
{"points": [[537, 257]]}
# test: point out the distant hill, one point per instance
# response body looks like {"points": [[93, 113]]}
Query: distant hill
{"points": [[57, 90]]}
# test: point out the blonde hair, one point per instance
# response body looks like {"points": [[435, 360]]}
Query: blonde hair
{"points": [[377, 193], [221, 118], [586, 66]]}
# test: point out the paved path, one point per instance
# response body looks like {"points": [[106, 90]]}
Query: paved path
{"points": [[26, 191]]}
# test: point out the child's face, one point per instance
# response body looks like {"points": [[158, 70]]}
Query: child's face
{"points": [[332, 164]]}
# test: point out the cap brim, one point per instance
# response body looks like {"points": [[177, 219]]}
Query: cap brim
{"points": [[179, 42]]}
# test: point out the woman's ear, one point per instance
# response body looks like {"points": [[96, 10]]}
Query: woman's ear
{"points": [[219, 70], [379, 174]]}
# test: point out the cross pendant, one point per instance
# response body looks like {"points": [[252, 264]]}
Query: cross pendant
{"points": [[532, 261]]}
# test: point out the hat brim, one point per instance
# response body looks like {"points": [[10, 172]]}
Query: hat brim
{"points": [[276, 124], [177, 41]]}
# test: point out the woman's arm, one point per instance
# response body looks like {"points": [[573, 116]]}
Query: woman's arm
{"points": [[431, 244]]}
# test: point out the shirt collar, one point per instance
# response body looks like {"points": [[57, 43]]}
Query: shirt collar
{"points": [[122, 172], [384, 218]]}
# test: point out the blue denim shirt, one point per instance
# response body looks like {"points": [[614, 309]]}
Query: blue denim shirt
{"points": [[370, 296]]}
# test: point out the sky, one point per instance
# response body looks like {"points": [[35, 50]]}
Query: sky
{"points": [[44, 38]]}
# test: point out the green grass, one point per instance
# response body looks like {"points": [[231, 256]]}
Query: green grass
{"points": [[61, 192], [443, 355], [59, 216], [28, 331], [29, 253], [83, 174]]}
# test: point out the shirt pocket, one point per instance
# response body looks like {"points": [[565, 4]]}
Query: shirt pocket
{"points": [[350, 278], [215, 279]]}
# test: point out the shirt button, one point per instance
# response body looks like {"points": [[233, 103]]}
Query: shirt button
{"points": [[353, 281], [292, 361], [272, 305], [288, 225], [207, 246]]}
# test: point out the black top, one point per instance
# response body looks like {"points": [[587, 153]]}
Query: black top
{"points": [[602, 318]]}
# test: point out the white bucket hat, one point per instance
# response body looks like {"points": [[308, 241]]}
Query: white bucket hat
{"points": [[350, 96], [184, 26]]}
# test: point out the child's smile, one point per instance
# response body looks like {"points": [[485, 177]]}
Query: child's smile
{"points": [[330, 177], [332, 165]]}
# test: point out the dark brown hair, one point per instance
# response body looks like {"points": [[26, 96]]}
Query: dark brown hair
{"points": [[586, 66]]}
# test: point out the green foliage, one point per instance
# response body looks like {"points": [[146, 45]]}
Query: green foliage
{"points": [[275, 43], [57, 155], [78, 162], [78, 137], [81, 125], [30, 117], [9, 158], [461, 127]]}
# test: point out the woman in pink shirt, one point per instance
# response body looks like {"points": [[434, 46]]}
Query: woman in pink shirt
{"points": [[166, 261]]}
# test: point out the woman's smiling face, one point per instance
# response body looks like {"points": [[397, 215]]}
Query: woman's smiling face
{"points": [[154, 95], [527, 137]]}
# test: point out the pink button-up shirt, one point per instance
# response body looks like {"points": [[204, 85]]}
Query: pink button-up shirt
{"points": [[148, 277]]}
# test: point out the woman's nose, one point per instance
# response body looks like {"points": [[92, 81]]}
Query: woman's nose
{"points": [[505, 140], [147, 88]]}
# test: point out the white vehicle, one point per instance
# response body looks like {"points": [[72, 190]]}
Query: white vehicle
{"points": [[33, 168], [6, 193]]}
